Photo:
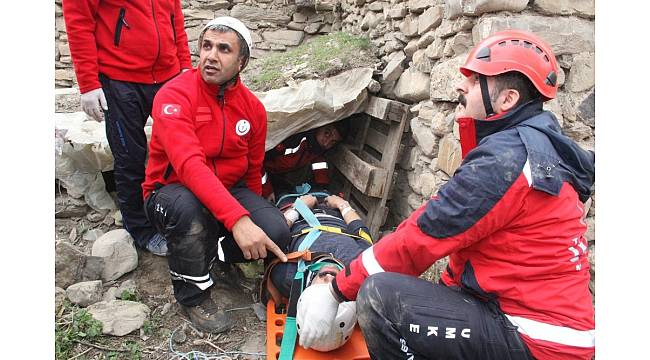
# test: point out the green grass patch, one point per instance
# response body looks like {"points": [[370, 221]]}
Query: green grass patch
{"points": [[316, 56], [82, 327]]}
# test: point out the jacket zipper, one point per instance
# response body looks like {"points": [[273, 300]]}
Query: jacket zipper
{"points": [[118, 26], [155, 24], [173, 28], [222, 104]]}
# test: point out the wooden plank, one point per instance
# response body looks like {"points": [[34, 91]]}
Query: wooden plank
{"points": [[385, 109], [378, 107], [365, 201], [376, 140], [361, 135], [397, 111], [367, 178]]}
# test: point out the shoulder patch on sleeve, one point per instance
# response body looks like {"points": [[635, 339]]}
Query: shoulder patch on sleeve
{"points": [[170, 110]]}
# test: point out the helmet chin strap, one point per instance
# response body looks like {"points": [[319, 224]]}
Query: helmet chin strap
{"points": [[486, 96]]}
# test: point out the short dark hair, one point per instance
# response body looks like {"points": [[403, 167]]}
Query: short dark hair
{"points": [[516, 81], [243, 46], [342, 126]]}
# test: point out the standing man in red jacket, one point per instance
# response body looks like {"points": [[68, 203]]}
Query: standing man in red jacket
{"points": [[123, 52], [203, 181], [510, 219]]}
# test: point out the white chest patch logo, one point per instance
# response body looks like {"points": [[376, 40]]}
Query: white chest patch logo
{"points": [[243, 127]]}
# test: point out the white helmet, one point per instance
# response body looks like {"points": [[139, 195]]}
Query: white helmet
{"points": [[234, 24], [342, 327]]}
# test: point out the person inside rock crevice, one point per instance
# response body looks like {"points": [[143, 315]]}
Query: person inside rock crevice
{"points": [[300, 159]]}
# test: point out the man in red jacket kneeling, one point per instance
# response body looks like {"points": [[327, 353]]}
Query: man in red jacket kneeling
{"points": [[203, 180], [510, 219]]}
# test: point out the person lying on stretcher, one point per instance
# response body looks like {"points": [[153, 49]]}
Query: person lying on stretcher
{"points": [[343, 236]]}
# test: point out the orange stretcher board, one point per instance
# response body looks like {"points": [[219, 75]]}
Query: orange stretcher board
{"points": [[354, 349]]}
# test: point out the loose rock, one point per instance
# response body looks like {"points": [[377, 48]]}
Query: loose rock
{"points": [[119, 254], [119, 317], [85, 293]]}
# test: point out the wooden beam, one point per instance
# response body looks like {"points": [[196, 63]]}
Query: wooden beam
{"points": [[376, 140], [367, 178], [385, 109]]}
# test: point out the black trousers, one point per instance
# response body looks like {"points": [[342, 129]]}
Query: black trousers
{"points": [[195, 239], [129, 106], [404, 317]]}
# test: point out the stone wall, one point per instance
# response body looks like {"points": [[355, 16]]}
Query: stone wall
{"points": [[421, 44], [276, 26]]}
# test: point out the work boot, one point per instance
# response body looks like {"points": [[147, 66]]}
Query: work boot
{"points": [[157, 245], [207, 317]]}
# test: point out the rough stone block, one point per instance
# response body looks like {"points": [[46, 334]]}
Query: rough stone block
{"points": [[64, 74], [296, 26], [412, 86], [202, 14], [64, 49], [426, 40], [435, 49], [444, 77], [85, 293], [370, 21], [411, 48], [67, 100], [430, 19], [300, 17], [587, 110], [378, 6], [449, 155], [254, 15], [418, 6], [312, 28], [72, 265], [479, 7], [461, 43], [565, 35], [409, 26], [284, 37], [394, 69], [119, 317], [582, 74], [442, 123], [585, 8], [421, 62], [398, 11], [427, 142], [119, 254], [453, 9]]}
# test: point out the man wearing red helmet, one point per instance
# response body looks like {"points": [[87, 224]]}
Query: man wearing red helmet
{"points": [[510, 219]]}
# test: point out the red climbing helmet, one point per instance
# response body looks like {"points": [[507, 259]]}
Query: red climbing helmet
{"points": [[515, 50]]}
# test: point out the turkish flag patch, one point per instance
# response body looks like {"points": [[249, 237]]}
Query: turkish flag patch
{"points": [[170, 110]]}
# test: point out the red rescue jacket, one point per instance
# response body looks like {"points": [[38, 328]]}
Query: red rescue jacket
{"points": [[296, 152], [511, 221], [207, 144], [142, 41]]}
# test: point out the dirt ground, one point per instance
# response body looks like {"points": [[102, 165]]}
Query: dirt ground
{"points": [[233, 291]]}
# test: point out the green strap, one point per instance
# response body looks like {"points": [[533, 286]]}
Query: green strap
{"points": [[290, 333], [300, 191]]}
